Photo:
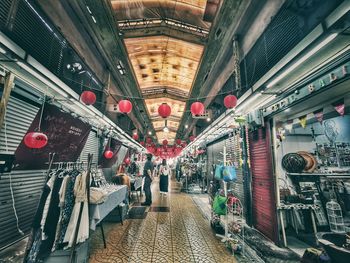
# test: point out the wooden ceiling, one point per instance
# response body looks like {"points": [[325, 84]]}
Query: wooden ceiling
{"points": [[165, 66]]}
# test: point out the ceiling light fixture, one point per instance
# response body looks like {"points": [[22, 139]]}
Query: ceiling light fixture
{"points": [[165, 129], [186, 126], [149, 133], [208, 119], [303, 59]]}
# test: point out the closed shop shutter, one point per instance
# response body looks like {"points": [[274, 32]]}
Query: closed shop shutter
{"points": [[234, 156], [26, 185], [91, 146], [263, 189]]}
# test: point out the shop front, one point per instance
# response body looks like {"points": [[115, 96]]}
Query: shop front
{"points": [[310, 142]]}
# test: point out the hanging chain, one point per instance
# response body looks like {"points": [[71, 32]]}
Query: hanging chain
{"points": [[236, 68]]}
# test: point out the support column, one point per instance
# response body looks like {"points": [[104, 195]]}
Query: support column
{"points": [[8, 84]]}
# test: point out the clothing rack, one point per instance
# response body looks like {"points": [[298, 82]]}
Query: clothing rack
{"points": [[69, 165]]}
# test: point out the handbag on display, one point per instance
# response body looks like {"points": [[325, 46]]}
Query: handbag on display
{"points": [[218, 171], [219, 205], [229, 173]]}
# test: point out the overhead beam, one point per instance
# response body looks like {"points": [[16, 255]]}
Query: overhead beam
{"points": [[132, 32]]}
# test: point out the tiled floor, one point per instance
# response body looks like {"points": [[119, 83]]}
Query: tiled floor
{"points": [[180, 235]]}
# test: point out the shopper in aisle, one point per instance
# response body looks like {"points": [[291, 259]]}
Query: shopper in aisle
{"points": [[132, 169], [164, 172], [147, 173]]}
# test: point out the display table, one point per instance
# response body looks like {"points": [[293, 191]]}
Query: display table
{"points": [[297, 206], [99, 211]]}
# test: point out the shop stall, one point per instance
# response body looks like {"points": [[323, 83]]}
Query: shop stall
{"points": [[311, 143]]}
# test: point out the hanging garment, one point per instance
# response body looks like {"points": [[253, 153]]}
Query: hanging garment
{"points": [[81, 203], [49, 229], [62, 195], [69, 201], [33, 254]]}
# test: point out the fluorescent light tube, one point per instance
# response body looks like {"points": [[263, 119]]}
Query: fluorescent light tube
{"points": [[303, 59], [42, 79]]}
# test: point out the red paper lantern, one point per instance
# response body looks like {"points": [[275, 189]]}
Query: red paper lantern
{"points": [[148, 139], [35, 140], [197, 108], [125, 106], [192, 138], [164, 110], [127, 161], [135, 136], [230, 101], [178, 141], [88, 97], [165, 142], [108, 154]]}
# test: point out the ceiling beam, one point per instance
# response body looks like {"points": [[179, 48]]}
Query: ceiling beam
{"points": [[165, 30]]}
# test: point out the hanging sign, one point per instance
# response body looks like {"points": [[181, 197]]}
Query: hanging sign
{"points": [[302, 121], [339, 106], [319, 115], [66, 135]]}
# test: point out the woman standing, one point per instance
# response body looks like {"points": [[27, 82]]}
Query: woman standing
{"points": [[164, 172]]}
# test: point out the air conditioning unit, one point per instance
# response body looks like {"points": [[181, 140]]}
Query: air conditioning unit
{"points": [[205, 115], [255, 118], [113, 108]]}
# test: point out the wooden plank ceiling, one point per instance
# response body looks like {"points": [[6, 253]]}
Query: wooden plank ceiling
{"points": [[162, 64]]}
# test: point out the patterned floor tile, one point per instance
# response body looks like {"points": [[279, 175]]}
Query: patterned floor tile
{"points": [[181, 234]]}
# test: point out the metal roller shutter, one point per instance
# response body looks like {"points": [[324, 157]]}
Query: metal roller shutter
{"points": [[234, 155], [91, 146], [263, 190], [26, 185]]}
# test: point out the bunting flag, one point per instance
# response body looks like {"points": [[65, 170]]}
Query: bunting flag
{"points": [[339, 106], [302, 121], [319, 115]]}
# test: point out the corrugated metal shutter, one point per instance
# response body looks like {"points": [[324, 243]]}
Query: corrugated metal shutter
{"points": [[19, 117], [214, 156], [5, 6], [234, 155], [263, 188], [91, 146], [26, 185]]}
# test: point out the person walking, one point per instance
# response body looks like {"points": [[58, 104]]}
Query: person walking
{"points": [[147, 173], [164, 172]]}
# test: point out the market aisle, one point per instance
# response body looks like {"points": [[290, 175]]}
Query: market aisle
{"points": [[180, 235]]}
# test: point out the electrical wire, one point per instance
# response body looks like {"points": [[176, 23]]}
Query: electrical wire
{"points": [[11, 188]]}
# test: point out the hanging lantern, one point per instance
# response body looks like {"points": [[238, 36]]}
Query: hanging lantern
{"points": [[142, 144], [125, 106], [135, 136], [197, 108], [108, 154], [192, 137], [164, 110], [88, 97], [230, 101], [148, 139], [127, 161], [35, 140], [178, 141], [165, 142]]}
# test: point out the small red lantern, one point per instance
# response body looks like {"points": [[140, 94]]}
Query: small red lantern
{"points": [[197, 108], [88, 97], [178, 141], [142, 144], [35, 140], [135, 136], [192, 138], [125, 106], [230, 101], [164, 110], [148, 139], [127, 161], [108, 154], [165, 142]]}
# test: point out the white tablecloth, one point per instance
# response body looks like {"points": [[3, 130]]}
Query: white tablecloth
{"points": [[100, 211]]}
